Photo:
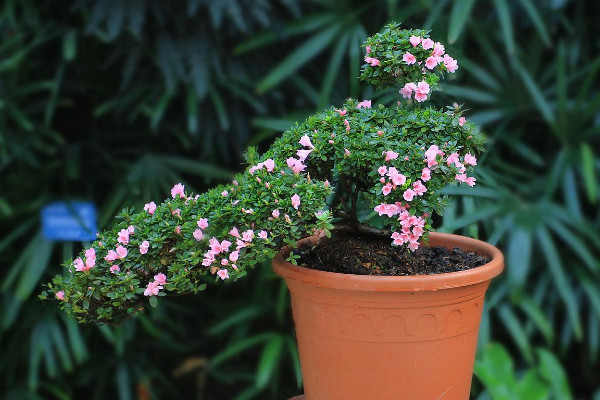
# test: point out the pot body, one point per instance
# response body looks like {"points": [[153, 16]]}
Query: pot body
{"points": [[395, 338]]}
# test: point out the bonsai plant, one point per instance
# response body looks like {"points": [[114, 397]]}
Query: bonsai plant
{"points": [[319, 176]]}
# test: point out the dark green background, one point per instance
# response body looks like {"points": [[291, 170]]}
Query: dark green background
{"points": [[115, 101]]}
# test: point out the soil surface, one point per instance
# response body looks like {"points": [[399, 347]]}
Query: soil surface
{"points": [[368, 254]]}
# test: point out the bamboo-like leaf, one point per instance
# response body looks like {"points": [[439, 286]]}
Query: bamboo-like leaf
{"points": [[535, 17], [239, 347], [459, 15], [539, 99], [536, 315], [269, 360], [589, 172], [506, 25], [553, 372], [517, 332]]}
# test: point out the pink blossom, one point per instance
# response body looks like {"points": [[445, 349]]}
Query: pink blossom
{"points": [[470, 159], [326, 183], [408, 194], [130, 229], [202, 223], [374, 62], [398, 179], [368, 49], [432, 152], [114, 269], [452, 159], [160, 278], [121, 251], [233, 257], [438, 49], [239, 244], [90, 253], [89, 263], [269, 165], [302, 154], [150, 207], [427, 44], [144, 247], [364, 103], [60, 295], [414, 40], [347, 125], [426, 174], [461, 178], [413, 246], [408, 89], [346, 152], [420, 96], [178, 189], [423, 87], [248, 235], [176, 213], [198, 234], [111, 256], [295, 201], [262, 234], [450, 63], [177, 230], [224, 261], [223, 274], [382, 170], [390, 155], [461, 121], [470, 181], [224, 193], [248, 211], [234, 232], [419, 188], [275, 213], [389, 209], [152, 289], [79, 266], [379, 133], [295, 165], [342, 112], [387, 189], [417, 231], [409, 58], [209, 258], [305, 141]]}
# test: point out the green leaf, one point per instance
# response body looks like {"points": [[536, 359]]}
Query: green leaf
{"points": [[552, 371], [535, 17], [268, 362], [589, 172], [516, 330], [153, 301], [518, 256], [539, 99], [69, 45], [239, 347], [459, 15], [302, 55], [506, 25]]}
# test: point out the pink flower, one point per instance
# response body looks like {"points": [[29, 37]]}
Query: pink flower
{"points": [[409, 58], [234, 232], [413, 246], [374, 62], [302, 154], [461, 121], [342, 112], [223, 274], [470, 160], [470, 181], [234, 256], [461, 178], [202, 223], [224, 193], [305, 141], [295, 165], [414, 40], [152, 289], [295, 201], [438, 49], [150, 207], [326, 183], [269, 165], [224, 261], [275, 213], [346, 152], [390, 155], [396, 177], [114, 269], [130, 229], [450, 63], [408, 89], [160, 279], [382, 170], [248, 235], [426, 174], [432, 152], [364, 103], [379, 133], [178, 189], [419, 188], [111, 256], [427, 44], [144, 247], [452, 159], [387, 189], [121, 251], [408, 194], [368, 49], [198, 234], [347, 125], [209, 258], [176, 213], [177, 229], [262, 234], [90, 253], [60, 295], [423, 87]]}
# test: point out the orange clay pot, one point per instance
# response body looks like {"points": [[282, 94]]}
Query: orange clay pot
{"points": [[366, 337]]}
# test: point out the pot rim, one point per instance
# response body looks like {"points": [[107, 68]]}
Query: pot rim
{"points": [[433, 282]]}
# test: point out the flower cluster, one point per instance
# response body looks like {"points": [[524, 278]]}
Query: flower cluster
{"points": [[393, 160]]}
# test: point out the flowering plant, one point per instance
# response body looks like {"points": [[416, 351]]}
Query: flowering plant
{"points": [[320, 172]]}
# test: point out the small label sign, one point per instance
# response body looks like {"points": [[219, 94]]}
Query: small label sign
{"points": [[69, 221]]}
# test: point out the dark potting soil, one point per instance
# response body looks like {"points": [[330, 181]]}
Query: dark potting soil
{"points": [[367, 254]]}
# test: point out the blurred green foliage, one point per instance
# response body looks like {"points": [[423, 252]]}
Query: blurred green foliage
{"points": [[115, 101]]}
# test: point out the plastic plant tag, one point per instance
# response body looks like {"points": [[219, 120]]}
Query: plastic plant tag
{"points": [[69, 221]]}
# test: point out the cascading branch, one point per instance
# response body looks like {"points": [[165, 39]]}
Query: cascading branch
{"points": [[323, 171]]}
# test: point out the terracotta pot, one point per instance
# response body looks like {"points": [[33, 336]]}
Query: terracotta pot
{"points": [[397, 338]]}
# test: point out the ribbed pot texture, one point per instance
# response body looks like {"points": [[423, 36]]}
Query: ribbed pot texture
{"points": [[366, 337]]}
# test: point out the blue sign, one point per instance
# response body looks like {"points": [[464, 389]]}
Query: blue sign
{"points": [[69, 221]]}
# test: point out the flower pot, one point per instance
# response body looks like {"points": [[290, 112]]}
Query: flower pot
{"points": [[381, 337]]}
